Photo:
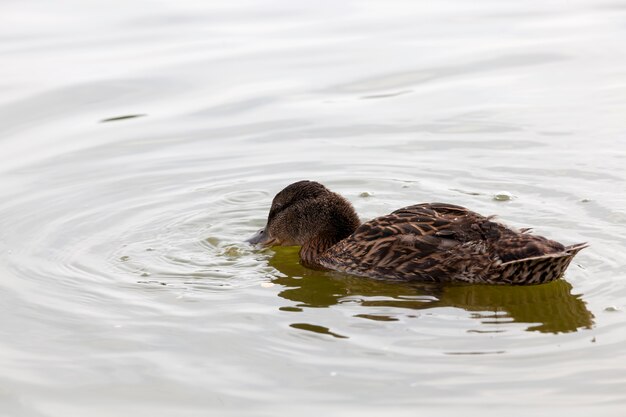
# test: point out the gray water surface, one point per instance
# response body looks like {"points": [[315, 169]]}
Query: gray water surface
{"points": [[141, 142]]}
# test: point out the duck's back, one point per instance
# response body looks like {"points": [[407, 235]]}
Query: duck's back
{"points": [[443, 242]]}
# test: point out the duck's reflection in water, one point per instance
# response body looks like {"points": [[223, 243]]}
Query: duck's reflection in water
{"points": [[549, 308]]}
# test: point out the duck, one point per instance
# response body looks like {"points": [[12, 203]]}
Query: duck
{"points": [[428, 242]]}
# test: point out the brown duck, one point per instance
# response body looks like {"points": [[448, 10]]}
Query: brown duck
{"points": [[426, 242]]}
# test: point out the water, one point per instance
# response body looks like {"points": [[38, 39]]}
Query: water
{"points": [[142, 142]]}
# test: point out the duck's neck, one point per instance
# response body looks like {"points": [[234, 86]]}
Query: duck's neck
{"points": [[311, 251], [338, 225]]}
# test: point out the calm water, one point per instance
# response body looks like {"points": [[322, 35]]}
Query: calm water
{"points": [[141, 142]]}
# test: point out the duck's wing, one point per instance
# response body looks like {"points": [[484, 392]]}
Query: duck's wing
{"points": [[467, 227], [413, 243]]}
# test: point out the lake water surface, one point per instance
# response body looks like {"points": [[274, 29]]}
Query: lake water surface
{"points": [[141, 142]]}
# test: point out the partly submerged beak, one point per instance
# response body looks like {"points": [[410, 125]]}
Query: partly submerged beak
{"points": [[260, 238]]}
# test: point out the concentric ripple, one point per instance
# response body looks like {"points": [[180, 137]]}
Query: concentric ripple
{"points": [[127, 285]]}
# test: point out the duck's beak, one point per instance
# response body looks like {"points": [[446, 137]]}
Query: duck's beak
{"points": [[260, 238]]}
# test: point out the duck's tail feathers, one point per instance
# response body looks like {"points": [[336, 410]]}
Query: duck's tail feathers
{"points": [[574, 249], [540, 269]]}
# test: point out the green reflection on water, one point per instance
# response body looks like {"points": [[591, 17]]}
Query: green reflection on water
{"points": [[317, 329], [551, 308]]}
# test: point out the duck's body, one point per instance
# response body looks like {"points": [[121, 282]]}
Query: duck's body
{"points": [[445, 243], [425, 242]]}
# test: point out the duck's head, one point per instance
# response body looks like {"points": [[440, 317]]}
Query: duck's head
{"points": [[307, 214]]}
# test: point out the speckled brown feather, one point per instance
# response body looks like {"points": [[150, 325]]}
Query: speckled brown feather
{"points": [[442, 243]]}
